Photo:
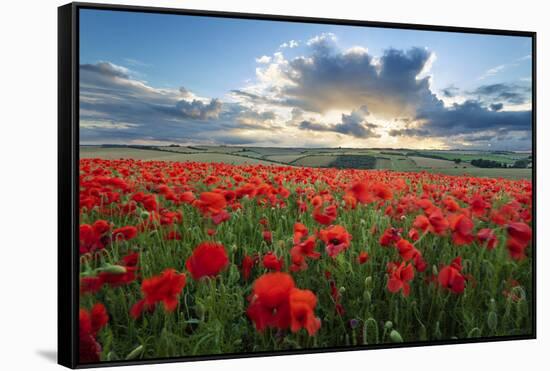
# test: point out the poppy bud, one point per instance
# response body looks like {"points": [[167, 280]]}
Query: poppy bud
{"points": [[367, 297], [234, 274], [437, 331], [396, 336], [370, 330], [135, 353], [423, 333], [368, 283], [199, 309], [474, 333], [492, 320], [114, 269], [388, 325], [144, 215]]}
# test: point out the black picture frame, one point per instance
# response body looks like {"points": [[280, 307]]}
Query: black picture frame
{"points": [[68, 176]]}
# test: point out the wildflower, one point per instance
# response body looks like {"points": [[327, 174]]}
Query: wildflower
{"points": [[336, 239], [208, 259], [451, 277], [163, 288]]}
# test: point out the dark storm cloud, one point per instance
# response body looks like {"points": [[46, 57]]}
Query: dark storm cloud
{"points": [[450, 91], [353, 125], [496, 106], [509, 93], [471, 116]]}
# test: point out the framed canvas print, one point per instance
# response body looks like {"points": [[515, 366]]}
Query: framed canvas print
{"points": [[239, 185]]}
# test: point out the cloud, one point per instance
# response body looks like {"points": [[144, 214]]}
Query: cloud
{"points": [[290, 44], [508, 93], [116, 107], [353, 125], [450, 91], [324, 91], [470, 116], [324, 38], [330, 79], [492, 71], [263, 59], [408, 132], [196, 109]]}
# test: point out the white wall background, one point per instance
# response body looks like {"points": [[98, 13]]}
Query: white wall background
{"points": [[28, 119]]}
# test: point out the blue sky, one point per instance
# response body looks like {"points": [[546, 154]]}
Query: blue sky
{"points": [[157, 78]]}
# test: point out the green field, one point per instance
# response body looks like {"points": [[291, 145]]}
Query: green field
{"points": [[365, 158], [435, 163], [147, 154]]}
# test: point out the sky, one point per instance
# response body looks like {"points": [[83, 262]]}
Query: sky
{"points": [[170, 79]]}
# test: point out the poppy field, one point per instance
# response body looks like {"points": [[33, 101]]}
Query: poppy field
{"points": [[193, 258]]}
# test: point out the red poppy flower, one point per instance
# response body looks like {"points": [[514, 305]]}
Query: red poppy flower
{"points": [[519, 238], [362, 193], [270, 261], [390, 236], [267, 236], [413, 234], [210, 202], [163, 288], [93, 237], [208, 259], [363, 257], [326, 216], [90, 322], [438, 223], [421, 222], [90, 284], [520, 231], [173, 236], [336, 239], [407, 251], [462, 227], [300, 252], [302, 315], [400, 276], [125, 233], [382, 191], [247, 265], [487, 236], [478, 205], [451, 277], [300, 231], [270, 301], [220, 217]]}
